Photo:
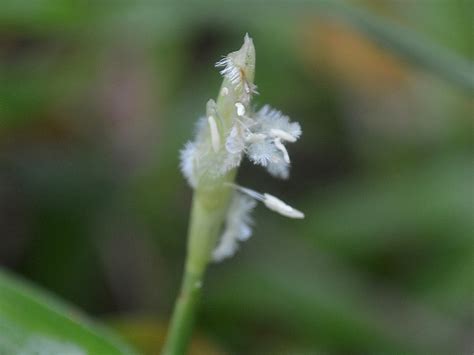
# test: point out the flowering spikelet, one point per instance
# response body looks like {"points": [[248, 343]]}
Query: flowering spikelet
{"points": [[230, 130], [237, 226]]}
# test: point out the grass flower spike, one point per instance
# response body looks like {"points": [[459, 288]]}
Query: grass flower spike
{"points": [[220, 218]]}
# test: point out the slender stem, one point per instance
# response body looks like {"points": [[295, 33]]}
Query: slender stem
{"points": [[182, 322], [210, 203], [208, 211]]}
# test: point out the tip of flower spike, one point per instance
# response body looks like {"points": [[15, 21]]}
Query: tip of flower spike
{"points": [[246, 54], [239, 67], [248, 42]]}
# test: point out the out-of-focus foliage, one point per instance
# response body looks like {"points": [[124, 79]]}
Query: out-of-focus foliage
{"points": [[97, 98], [32, 322]]}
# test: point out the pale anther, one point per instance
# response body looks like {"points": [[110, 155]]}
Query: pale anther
{"points": [[275, 132], [255, 137], [282, 149], [272, 202], [215, 137], [240, 109], [277, 205]]}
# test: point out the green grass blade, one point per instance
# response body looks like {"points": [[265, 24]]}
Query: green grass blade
{"points": [[31, 320]]}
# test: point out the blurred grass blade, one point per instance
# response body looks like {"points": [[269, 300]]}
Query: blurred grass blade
{"points": [[34, 322], [427, 201], [330, 306], [409, 45]]}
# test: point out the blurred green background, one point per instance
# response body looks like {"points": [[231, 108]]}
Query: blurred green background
{"points": [[97, 98]]}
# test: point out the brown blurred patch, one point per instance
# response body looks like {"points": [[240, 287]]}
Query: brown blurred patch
{"points": [[332, 47]]}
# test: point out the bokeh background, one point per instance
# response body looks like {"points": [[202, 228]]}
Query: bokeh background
{"points": [[97, 98]]}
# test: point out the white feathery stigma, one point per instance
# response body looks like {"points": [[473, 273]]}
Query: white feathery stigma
{"points": [[238, 226], [231, 71], [279, 169], [278, 124], [187, 155]]}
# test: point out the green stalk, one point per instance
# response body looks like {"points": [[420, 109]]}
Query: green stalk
{"points": [[211, 199], [207, 215]]}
